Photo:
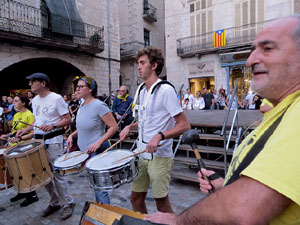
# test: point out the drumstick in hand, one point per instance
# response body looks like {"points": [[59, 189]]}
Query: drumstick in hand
{"points": [[67, 154], [19, 121], [109, 148], [119, 160], [3, 139], [74, 156]]}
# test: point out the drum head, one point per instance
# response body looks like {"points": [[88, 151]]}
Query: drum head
{"points": [[108, 160], [21, 148], [72, 159], [2, 150]]}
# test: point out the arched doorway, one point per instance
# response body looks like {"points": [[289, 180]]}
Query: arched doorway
{"points": [[61, 74]]}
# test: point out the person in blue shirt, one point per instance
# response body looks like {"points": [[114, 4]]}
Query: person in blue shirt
{"points": [[122, 107]]}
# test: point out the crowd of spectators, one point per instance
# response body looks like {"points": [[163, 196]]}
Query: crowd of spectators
{"points": [[213, 100]]}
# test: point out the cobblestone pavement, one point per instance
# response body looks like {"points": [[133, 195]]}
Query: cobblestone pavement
{"points": [[182, 194]]}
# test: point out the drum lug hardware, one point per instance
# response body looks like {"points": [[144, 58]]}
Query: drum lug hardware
{"points": [[11, 178], [3, 169], [33, 175], [44, 169], [20, 177]]}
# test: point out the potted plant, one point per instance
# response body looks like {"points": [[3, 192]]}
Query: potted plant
{"points": [[94, 39]]}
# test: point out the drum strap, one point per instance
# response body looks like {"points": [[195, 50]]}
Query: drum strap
{"points": [[255, 150], [50, 135]]}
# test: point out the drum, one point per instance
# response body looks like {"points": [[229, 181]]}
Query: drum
{"points": [[105, 173], [98, 213], [74, 163], [28, 166], [5, 181]]}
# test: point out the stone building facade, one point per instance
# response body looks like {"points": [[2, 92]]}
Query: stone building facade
{"points": [[141, 24], [192, 58], [33, 39]]}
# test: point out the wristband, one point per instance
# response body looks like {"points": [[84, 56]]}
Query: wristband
{"points": [[162, 135]]}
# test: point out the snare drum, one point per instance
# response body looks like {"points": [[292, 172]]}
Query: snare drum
{"points": [[28, 165], [105, 173], [72, 165], [5, 181]]}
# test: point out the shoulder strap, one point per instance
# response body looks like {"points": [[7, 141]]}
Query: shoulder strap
{"points": [[255, 150], [160, 83]]}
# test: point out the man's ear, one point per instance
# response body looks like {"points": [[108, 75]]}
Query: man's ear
{"points": [[154, 66]]}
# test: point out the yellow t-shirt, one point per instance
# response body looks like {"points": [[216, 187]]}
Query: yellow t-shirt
{"points": [[278, 164], [26, 117]]}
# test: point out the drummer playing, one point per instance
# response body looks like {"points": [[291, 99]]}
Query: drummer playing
{"points": [[160, 111], [21, 104], [92, 117], [51, 112]]}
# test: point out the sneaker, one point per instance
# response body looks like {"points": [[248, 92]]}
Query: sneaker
{"points": [[50, 210], [29, 200], [68, 211], [18, 197]]}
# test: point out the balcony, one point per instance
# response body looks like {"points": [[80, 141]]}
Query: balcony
{"points": [[20, 23], [237, 38], [128, 50], [150, 12]]}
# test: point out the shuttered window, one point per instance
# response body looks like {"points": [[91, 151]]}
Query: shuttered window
{"points": [[201, 18]]}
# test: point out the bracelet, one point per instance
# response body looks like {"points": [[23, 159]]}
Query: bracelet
{"points": [[162, 135]]}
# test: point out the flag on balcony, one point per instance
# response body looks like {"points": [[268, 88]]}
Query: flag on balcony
{"points": [[220, 38]]}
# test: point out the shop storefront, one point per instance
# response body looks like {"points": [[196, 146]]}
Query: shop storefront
{"points": [[235, 66], [202, 75]]}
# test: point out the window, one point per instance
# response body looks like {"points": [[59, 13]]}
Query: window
{"points": [[201, 17], [146, 37]]}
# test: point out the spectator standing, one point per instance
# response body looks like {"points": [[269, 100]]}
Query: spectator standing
{"points": [[198, 101], [122, 107], [9, 113], [208, 99], [189, 95]]}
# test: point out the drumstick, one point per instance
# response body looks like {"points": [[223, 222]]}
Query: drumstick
{"points": [[19, 121], [129, 156], [67, 154], [113, 145], [73, 156], [3, 139]]}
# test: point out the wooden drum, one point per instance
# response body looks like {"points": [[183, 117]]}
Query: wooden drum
{"points": [[5, 181], [28, 166]]}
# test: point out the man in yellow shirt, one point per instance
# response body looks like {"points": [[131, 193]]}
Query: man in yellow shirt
{"points": [[262, 185]]}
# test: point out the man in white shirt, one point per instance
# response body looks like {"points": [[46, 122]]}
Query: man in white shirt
{"points": [[160, 110], [51, 112]]}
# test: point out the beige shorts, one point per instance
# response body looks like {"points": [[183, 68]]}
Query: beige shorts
{"points": [[156, 172]]}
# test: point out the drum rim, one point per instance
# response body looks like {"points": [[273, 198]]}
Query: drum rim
{"points": [[22, 154]]}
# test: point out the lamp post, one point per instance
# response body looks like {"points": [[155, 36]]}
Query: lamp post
{"points": [[109, 53]]}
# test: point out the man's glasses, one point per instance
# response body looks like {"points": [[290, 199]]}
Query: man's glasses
{"points": [[80, 86]]}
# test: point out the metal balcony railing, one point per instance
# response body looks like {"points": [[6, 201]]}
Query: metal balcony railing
{"points": [[25, 23], [204, 43], [150, 12], [128, 50]]}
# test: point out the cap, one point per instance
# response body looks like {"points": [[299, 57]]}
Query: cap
{"points": [[41, 76]]}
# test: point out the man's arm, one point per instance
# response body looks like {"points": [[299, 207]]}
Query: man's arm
{"points": [[64, 120], [182, 125], [245, 201], [124, 133]]}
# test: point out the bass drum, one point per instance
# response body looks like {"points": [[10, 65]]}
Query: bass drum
{"points": [[28, 166], [5, 180]]}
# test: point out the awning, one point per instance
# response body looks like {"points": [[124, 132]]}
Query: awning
{"points": [[65, 18]]}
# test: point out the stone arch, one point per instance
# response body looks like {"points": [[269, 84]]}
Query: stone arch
{"points": [[60, 72]]}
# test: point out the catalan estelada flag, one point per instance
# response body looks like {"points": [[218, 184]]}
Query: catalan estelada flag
{"points": [[220, 38]]}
